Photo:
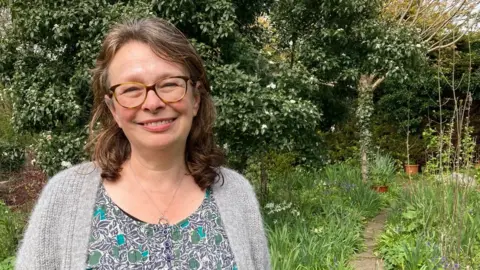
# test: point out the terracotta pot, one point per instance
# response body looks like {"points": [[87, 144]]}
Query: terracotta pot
{"points": [[411, 169], [380, 189], [477, 165]]}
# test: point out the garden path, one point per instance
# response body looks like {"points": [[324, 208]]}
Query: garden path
{"points": [[367, 259]]}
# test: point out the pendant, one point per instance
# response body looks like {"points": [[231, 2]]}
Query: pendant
{"points": [[163, 221]]}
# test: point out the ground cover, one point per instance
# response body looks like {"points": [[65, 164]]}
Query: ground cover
{"points": [[316, 219], [433, 225]]}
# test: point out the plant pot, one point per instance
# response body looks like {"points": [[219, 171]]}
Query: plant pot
{"points": [[411, 169], [477, 165], [380, 189]]}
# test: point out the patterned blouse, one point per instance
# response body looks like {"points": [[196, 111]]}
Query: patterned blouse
{"points": [[120, 241]]}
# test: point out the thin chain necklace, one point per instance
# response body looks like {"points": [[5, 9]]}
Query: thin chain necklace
{"points": [[162, 219]]}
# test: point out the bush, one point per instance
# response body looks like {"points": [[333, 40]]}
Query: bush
{"points": [[54, 152], [12, 157], [11, 228]]}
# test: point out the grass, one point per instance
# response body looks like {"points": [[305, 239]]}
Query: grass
{"points": [[315, 219]]}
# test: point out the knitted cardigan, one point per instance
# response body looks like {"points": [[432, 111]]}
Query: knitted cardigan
{"points": [[58, 231]]}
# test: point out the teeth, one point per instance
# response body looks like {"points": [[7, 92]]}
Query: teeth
{"points": [[153, 124]]}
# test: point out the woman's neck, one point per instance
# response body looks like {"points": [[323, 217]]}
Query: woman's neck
{"points": [[158, 171]]}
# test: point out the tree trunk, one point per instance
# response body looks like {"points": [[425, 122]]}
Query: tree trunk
{"points": [[364, 114]]}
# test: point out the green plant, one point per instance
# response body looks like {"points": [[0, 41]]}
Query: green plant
{"points": [[381, 170], [12, 156], [11, 227], [8, 263], [432, 225], [54, 152]]}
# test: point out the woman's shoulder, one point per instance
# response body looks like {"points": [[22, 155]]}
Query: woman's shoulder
{"points": [[232, 184], [73, 179], [231, 179]]}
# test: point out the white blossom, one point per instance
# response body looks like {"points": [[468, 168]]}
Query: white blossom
{"points": [[66, 164]]}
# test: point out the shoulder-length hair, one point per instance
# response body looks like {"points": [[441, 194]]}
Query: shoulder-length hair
{"points": [[108, 144]]}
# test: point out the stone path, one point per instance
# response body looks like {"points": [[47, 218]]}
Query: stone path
{"points": [[367, 260]]}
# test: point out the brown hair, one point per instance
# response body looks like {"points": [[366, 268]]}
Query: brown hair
{"points": [[108, 144]]}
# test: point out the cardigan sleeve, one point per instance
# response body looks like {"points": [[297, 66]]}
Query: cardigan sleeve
{"points": [[38, 247], [258, 241]]}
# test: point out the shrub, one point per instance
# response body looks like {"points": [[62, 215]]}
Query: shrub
{"points": [[12, 156], [54, 152]]}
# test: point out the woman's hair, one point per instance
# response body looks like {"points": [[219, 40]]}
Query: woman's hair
{"points": [[108, 144]]}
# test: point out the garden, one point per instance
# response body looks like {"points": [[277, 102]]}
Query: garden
{"points": [[356, 121]]}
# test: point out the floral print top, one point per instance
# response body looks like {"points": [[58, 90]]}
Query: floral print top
{"points": [[120, 241]]}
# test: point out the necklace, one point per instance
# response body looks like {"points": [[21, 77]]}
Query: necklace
{"points": [[162, 219]]}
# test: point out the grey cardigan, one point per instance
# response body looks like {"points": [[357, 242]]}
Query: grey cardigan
{"points": [[59, 227]]}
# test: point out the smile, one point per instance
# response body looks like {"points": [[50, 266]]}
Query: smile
{"points": [[158, 123]]}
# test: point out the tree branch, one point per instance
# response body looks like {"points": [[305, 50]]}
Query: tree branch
{"points": [[448, 44], [446, 21], [406, 11], [378, 82]]}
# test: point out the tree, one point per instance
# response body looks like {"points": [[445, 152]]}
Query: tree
{"points": [[360, 43]]}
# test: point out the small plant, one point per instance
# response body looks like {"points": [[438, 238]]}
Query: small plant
{"points": [[382, 170]]}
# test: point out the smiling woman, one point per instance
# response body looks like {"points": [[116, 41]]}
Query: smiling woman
{"points": [[155, 195]]}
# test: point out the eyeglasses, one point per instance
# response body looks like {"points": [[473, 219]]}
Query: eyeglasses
{"points": [[133, 94]]}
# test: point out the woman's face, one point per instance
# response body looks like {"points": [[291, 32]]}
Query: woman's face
{"points": [[154, 125]]}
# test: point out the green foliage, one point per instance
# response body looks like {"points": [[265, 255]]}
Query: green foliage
{"points": [[12, 157], [382, 169], [423, 230], [11, 227], [8, 263], [253, 116], [55, 152], [276, 165], [315, 220], [12, 146]]}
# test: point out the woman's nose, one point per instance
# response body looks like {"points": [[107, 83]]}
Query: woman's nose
{"points": [[153, 102]]}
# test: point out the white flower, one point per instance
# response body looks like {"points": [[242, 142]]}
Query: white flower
{"points": [[66, 164], [264, 127], [272, 85], [269, 205]]}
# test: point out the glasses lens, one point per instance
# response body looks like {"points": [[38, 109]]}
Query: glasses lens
{"points": [[130, 94], [171, 89]]}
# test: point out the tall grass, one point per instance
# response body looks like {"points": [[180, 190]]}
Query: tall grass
{"points": [[11, 227], [315, 218]]}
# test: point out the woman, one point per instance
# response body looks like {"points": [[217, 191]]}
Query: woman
{"points": [[156, 196]]}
